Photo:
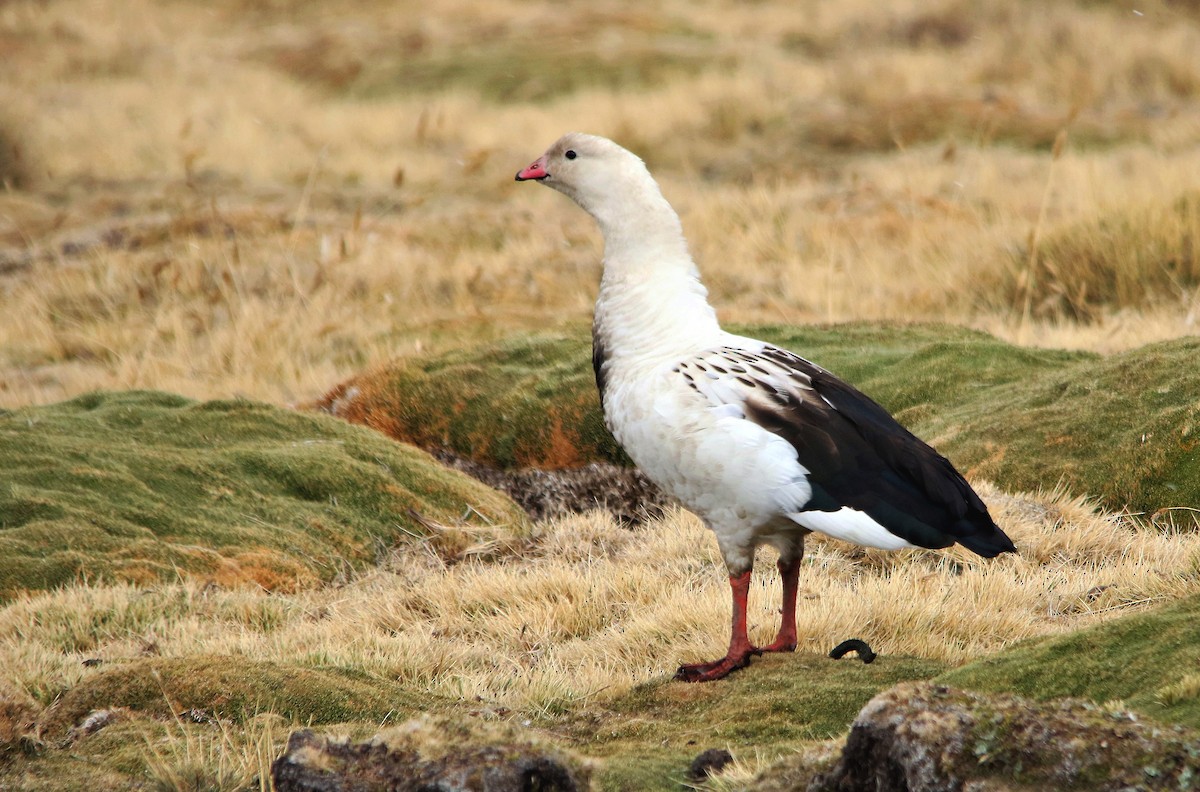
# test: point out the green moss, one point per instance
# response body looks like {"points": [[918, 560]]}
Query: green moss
{"points": [[915, 366], [526, 401], [145, 486], [647, 738], [1124, 428], [1137, 660]]}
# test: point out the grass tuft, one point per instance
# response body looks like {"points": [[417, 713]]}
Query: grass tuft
{"points": [[18, 168], [1126, 260], [217, 688]]}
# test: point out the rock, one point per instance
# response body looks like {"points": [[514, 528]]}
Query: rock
{"points": [[928, 737], [708, 762], [314, 763]]}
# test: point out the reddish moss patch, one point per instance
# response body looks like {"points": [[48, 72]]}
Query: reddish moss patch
{"points": [[526, 402]]}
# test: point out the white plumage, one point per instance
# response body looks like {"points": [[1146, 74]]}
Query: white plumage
{"points": [[763, 445]]}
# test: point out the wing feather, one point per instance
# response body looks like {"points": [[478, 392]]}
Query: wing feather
{"points": [[856, 454]]}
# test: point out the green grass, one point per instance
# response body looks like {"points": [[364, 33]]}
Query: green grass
{"points": [[145, 486], [647, 739], [1121, 428]]}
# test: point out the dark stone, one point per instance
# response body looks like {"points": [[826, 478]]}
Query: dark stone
{"points": [[931, 738], [314, 763], [708, 762]]}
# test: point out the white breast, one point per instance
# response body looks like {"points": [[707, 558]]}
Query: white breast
{"points": [[734, 474]]}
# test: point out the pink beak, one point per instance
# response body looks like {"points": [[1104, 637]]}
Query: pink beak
{"points": [[536, 171]]}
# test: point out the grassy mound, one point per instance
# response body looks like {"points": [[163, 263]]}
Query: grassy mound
{"points": [[237, 689], [531, 400], [525, 402], [1147, 661], [1121, 428], [643, 740], [145, 486]]}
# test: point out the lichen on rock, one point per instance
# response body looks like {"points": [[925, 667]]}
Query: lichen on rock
{"points": [[930, 737]]}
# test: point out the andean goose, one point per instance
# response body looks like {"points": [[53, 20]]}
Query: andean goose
{"points": [[762, 444]]}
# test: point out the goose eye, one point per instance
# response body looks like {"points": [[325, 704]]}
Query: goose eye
{"points": [[570, 154]]}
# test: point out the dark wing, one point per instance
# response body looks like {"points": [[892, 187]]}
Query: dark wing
{"points": [[857, 455]]}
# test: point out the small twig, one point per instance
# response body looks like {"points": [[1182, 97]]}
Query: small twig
{"points": [[1123, 605]]}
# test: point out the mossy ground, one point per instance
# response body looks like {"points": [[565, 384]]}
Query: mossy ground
{"points": [[1149, 662], [146, 487], [640, 741], [154, 470], [786, 702], [644, 740], [1121, 428], [264, 198]]}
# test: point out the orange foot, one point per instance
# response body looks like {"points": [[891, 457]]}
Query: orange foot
{"points": [[784, 642], [717, 669]]}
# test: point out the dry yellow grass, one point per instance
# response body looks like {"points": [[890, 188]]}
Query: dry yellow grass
{"points": [[586, 609], [262, 200], [237, 198]]}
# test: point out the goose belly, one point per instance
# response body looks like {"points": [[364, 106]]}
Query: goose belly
{"points": [[732, 473]]}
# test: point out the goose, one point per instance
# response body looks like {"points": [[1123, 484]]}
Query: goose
{"points": [[761, 444]]}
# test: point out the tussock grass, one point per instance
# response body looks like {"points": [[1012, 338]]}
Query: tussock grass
{"points": [[217, 759], [1127, 260], [210, 223]]}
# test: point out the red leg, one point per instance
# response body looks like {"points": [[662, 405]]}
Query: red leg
{"points": [[785, 641], [740, 648]]}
